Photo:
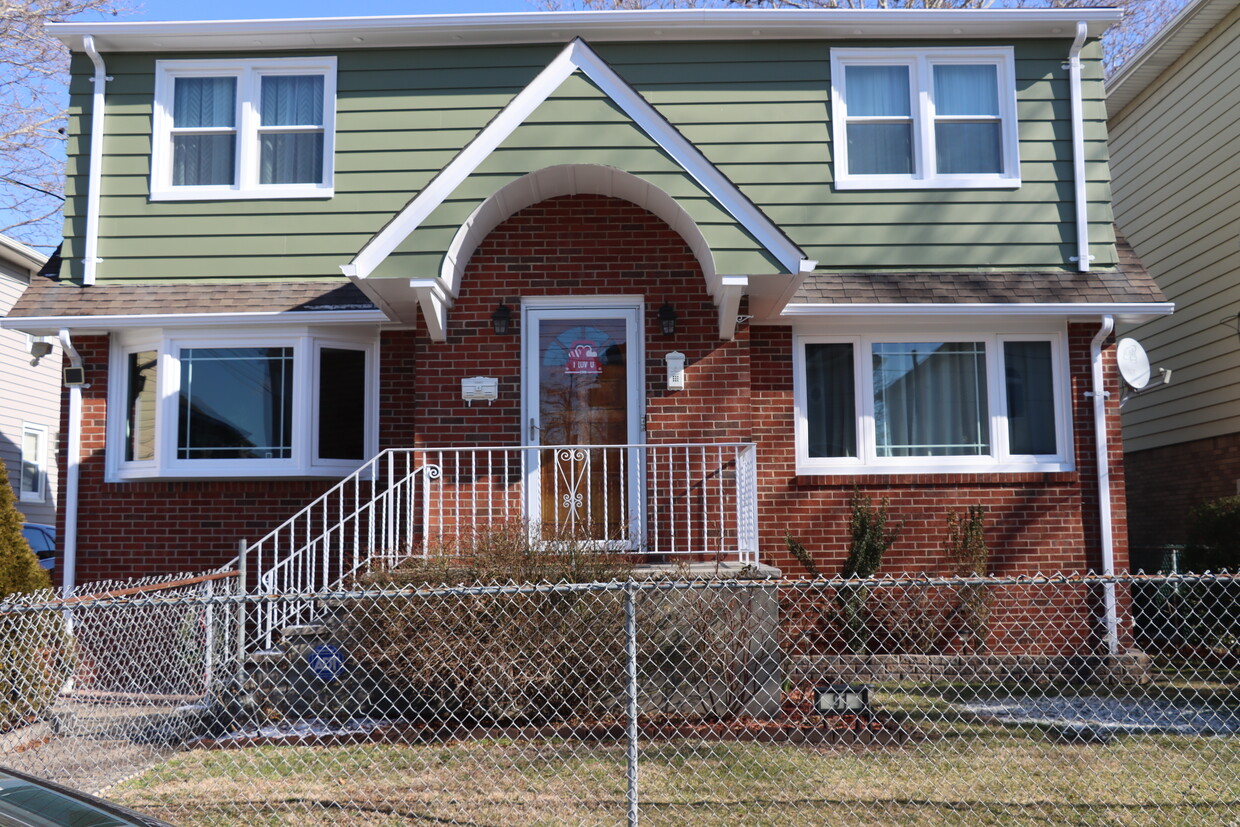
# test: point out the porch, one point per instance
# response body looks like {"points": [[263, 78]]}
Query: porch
{"points": [[662, 503]]}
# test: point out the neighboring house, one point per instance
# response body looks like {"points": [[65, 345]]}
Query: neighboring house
{"points": [[30, 399], [860, 229], [1174, 115]]}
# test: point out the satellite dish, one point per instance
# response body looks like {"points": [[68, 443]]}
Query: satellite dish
{"points": [[1134, 365]]}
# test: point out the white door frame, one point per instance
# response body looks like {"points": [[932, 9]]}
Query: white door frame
{"points": [[632, 310]]}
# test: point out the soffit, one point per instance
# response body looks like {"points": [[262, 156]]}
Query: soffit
{"points": [[1194, 22]]}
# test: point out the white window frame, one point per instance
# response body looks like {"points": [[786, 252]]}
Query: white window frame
{"points": [[920, 63], [1000, 458], [249, 74], [303, 461], [42, 433]]}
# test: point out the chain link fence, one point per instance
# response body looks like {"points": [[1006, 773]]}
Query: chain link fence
{"points": [[877, 702]]}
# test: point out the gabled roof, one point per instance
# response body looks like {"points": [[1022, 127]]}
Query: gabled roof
{"points": [[1194, 22], [435, 295]]}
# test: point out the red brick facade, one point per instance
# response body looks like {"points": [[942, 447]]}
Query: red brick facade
{"points": [[736, 391], [1164, 484]]}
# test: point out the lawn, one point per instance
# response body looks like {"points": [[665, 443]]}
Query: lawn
{"points": [[967, 772]]}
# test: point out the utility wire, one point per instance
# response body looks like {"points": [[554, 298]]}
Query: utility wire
{"points": [[30, 187]]}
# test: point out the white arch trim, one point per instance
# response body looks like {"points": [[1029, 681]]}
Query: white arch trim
{"points": [[570, 179]]}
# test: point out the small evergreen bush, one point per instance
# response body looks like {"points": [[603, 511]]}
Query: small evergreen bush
{"points": [[1214, 536], [870, 536], [33, 644]]}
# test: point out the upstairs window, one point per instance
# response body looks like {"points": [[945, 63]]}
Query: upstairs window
{"points": [[928, 119], [249, 129]]}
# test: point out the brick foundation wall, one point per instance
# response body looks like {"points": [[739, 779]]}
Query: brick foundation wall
{"points": [[1165, 483], [736, 391]]}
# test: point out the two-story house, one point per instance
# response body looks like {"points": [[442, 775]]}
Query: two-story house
{"points": [[1174, 113], [30, 401], [684, 281]]}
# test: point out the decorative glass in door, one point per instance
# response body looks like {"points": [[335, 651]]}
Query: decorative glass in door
{"points": [[583, 402]]}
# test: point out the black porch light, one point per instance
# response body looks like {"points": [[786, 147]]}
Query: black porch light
{"points": [[501, 319], [667, 319]]}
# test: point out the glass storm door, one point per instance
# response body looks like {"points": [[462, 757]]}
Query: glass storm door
{"points": [[582, 397]]}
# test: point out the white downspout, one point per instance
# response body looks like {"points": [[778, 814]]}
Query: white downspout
{"points": [[1083, 258], [95, 178], [1104, 481], [72, 467]]}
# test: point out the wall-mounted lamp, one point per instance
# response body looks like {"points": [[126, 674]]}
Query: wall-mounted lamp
{"points": [[667, 319], [501, 319], [38, 349]]}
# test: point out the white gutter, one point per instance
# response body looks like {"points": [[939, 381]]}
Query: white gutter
{"points": [[267, 318], [100, 79], [1127, 311], [1083, 258], [1104, 480], [72, 467]]}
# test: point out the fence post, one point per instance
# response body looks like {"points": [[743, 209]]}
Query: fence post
{"points": [[245, 590], [630, 633]]}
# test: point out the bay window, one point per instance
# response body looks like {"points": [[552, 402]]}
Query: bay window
{"points": [[243, 129], [881, 404], [236, 406], [924, 118]]}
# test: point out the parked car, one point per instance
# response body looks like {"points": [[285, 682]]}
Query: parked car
{"points": [[42, 540], [26, 801]]}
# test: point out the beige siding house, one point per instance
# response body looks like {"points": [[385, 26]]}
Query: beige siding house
{"points": [[29, 396], [1174, 117]]}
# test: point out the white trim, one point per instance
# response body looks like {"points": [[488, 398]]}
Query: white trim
{"points": [[631, 310], [544, 27], [1125, 310], [1080, 198], [920, 63], [162, 320], [303, 460], [576, 56], [246, 128], [999, 460], [41, 432], [94, 179]]}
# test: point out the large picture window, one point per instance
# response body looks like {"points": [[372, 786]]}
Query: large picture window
{"points": [[885, 404], [926, 118], [224, 406], [243, 129]]}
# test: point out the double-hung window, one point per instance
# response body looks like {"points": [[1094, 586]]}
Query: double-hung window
{"points": [[926, 118], [885, 404], [243, 129], [213, 405], [33, 485]]}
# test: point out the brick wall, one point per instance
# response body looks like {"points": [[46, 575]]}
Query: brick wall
{"points": [[1036, 522], [1165, 483], [736, 391]]}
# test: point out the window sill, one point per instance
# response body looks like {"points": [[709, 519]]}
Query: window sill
{"points": [[924, 477], [898, 182], [236, 194], [234, 472]]}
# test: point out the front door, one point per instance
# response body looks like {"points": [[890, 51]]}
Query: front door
{"points": [[582, 400]]}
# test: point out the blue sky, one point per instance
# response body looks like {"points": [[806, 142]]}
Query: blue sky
{"points": [[244, 9]]}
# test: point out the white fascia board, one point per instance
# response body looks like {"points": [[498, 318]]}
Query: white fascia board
{"points": [[556, 27], [166, 320], [462, 166], [1129, 311], [578, 56], [20, 256]]}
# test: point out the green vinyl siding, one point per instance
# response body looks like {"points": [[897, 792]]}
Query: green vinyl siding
{"points": [[759, 111]]}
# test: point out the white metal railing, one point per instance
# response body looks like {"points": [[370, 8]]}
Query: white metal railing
{"points": [[662, 501]]}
